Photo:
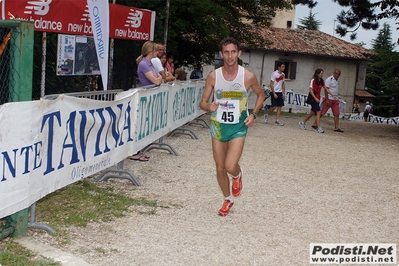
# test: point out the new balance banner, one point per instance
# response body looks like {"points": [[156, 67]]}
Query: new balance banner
{"points": [[132, 24], [72, 17]]}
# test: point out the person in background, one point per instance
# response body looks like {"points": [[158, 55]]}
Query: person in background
{"points": [[316, 84], [169, 63], [366, 111], [230, 120], [332, 83], [196, 73], [156, 61], [180, 74], [147, 76], [277, 86], [146, 70], [356, 107], [168, 75]]}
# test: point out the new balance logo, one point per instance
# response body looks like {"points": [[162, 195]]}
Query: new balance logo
{"points": [[40, 7], [134, 18], [86, 15]]}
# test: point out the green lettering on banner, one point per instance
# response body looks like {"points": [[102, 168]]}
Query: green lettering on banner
{"points": [[184, 103], [190, 101], [199, 97], [152, 113]]}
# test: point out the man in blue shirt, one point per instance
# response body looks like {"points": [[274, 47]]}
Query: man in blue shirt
{"points": [[196, 73]]}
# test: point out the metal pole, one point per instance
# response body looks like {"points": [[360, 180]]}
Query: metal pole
{"points": [[3, 12], [111, 61], [165, 36], [44, 57]]}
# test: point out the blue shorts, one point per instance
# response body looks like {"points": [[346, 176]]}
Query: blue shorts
{"points": [[315, 107], [279, 101]]}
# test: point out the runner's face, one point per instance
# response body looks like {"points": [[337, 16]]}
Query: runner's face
{"points": [[230, 54]]}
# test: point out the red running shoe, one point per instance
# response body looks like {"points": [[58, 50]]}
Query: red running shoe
{"points": [[225, 208], [236, 187]]}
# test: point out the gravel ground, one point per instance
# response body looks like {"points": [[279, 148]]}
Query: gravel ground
{"points": [[342, 189]]}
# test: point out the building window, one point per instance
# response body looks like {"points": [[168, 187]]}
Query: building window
{"points": [[290, 69]]}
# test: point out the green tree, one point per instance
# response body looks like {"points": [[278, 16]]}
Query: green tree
{"points": [[196, 27], [309, 22], [382, 79], [360, 13], [383, 42], [310, 3], [362, 44]]}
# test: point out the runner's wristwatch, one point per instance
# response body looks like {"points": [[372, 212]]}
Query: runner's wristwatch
{"points": [[254, 114]]}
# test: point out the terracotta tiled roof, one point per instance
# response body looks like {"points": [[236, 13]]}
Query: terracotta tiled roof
{"points": [[310, 42], [364, 94]]}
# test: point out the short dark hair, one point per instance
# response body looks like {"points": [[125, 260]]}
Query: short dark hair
{"points": [[170, 55], [229, 40], [279, 64]]}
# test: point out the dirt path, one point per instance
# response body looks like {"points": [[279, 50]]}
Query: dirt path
{"points": [[342, 190]]}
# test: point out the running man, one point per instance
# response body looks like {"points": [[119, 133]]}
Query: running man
{"points": [[230, 119]]}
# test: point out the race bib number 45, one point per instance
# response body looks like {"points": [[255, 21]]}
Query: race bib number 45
{"points": [[228, 112]]}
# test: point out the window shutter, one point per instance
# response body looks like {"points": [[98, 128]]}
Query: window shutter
{"points": [[292, 70]]}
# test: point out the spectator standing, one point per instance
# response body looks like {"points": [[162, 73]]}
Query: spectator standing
{"points": [[156, 61], [332, 83], [196, 73], [229, 119], [169, 63], [366, 111], [168, 76], [147, 76], [146, 70], [316, 84], [277, 87], [356, 107], [180, 74]]}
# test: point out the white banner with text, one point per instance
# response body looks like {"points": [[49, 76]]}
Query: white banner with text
{"points": [[48, 144], [374, 119]]}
